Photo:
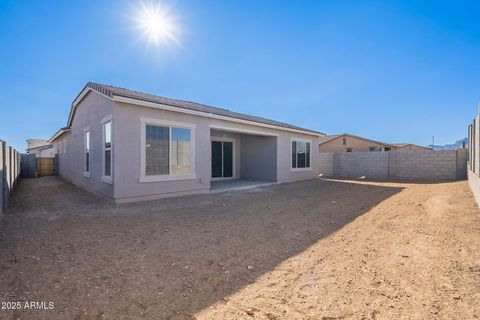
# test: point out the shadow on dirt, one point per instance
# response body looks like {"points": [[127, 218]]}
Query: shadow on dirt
{"points": [[161, 259]]}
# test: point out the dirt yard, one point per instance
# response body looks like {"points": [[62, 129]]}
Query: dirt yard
{"points": [[307, 250]]}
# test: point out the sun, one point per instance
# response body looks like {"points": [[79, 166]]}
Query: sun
{"points": [[157, 23]]}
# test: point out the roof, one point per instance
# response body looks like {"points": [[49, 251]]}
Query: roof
{"points": [[333, 137], [35, 143], [45, 146], [57, 134], [112, 92], [402, 145]]}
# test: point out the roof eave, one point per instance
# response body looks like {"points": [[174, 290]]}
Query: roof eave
{"points": [[358, 137], [149, 103], [58, 134]]}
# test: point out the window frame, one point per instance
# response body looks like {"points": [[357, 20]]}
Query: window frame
{"points": [[105, 178], [170, 124], [87, 132], [309, 168]]}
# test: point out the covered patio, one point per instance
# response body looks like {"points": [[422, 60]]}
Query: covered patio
{"points": [[241, 159]]}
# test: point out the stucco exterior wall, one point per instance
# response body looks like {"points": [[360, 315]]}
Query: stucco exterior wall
{"points": [[128, 152], [259, 158], [284, 158], [70, 146], [356, 144]]}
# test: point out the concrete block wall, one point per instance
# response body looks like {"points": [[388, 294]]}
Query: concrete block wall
{"points": [[2, 175], [476, 145], [9, 173], [28, 165], [425, 165], [462, 160], [326, 164], [474, 182], [473, 157], [373, 165]]}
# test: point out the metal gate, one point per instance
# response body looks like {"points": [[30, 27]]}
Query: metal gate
{"points": [[45, 166]]}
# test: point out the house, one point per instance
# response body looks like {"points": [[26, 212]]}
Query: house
{"points": [[41, 148], [409, 147], [131, 146], [351, 143]]}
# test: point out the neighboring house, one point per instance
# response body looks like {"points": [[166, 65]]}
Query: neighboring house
{"points": [[409, 147], [41, 148], [351, 143], [129, 146]]}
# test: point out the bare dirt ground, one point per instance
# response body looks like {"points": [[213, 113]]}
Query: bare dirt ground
{"points": [[307, 250]]}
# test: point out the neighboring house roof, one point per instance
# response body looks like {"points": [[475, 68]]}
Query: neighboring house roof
{"points": [[58, 134], [33, 143], [403, 145], [37, 144], [40, 148], [117, 93], [333, 137]]}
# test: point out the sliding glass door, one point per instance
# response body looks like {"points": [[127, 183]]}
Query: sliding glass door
{"points": [[222, 159]]}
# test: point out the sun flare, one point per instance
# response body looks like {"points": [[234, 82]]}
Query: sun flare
{"points": [[157, 24]]}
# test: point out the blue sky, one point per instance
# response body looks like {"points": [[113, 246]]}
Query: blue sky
{"points": [[397, 71]]}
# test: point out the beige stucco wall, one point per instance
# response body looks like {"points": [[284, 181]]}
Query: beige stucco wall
{"points": [[70, 146], [356, 144], [127, 148], [128, 152]]}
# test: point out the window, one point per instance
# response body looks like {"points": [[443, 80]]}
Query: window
{"points": [[168, 151], [300, 154], [349, 149], [107, 149], [373, 149], [344, 142], [181, 151], [86, 169]]}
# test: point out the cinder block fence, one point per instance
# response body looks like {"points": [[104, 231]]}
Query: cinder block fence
{"points": [[427, 165], [9, 173], [473, 157]]}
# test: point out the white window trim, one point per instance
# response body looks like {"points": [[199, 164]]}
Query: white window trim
{"points": [[104, 178], [86, 173], [291, 150], [165, 177], [234, 171], [107, 179]]}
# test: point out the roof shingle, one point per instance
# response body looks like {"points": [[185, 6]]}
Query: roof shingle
{"points": [[111, 91]]}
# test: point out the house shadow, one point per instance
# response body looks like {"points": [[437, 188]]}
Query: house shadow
{"points": [[401, 181], [167, 259]]}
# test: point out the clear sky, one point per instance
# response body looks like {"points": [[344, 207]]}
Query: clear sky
{"points": [[396, 71]]}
